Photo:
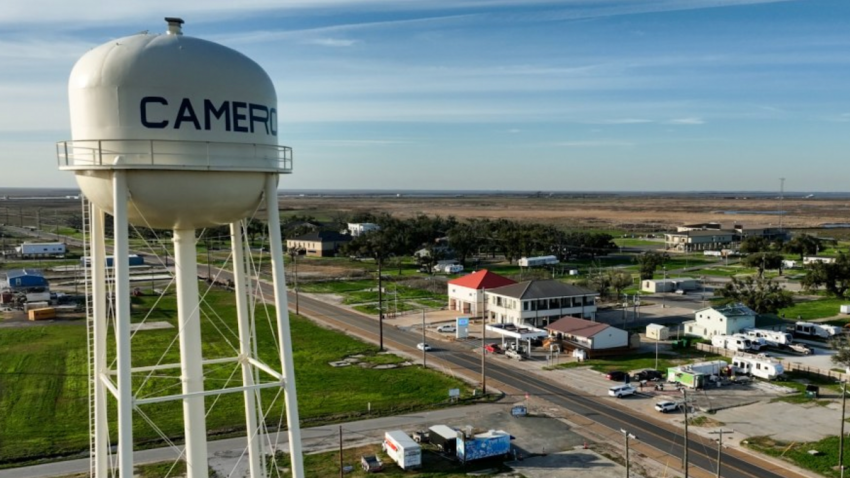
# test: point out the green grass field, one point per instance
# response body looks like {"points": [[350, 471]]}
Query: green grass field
{"points": [[43, 381], [798, 452], [628, 363], [815, 309]]}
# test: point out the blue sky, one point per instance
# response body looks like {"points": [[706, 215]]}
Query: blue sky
{"points": [[672, 95]]}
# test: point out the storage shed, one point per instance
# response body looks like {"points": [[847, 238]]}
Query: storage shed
{"points": [[657, 332], [25, 280]]}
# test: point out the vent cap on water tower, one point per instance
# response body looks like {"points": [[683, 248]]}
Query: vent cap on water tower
{"points": [[175, 25], [193, 123]]}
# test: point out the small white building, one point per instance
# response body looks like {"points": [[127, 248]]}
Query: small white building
{"points": [[466, 294], [588, 335], [813, 259], [41, 249], [657, 332], [358, 228], [539, 302], [669, 285], [726, 320], [790, 264]]}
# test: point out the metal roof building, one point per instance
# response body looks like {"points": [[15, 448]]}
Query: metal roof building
{"points": [[539, 302], [25, 279]]}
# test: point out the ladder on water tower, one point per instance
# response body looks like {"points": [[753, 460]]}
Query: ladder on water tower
{"points": [[87, 290]]}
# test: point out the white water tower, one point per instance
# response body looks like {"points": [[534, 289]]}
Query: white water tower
{"points": [[175, 132]]}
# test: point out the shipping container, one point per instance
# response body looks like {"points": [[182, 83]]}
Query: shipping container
{"points": [[483, 445], [402, 449], [42, 314], [444, 437]]}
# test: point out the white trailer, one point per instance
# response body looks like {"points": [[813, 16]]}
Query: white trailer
{"points": [[731, 342], [41, 249], [760, 366], [402, 449], [813, 329], [538, 261], [773, 338]]}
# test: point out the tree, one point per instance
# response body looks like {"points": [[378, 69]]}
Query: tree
{"points": [[619, 280], [834, 276], [601, 282], [649, 261], [841, 344], [764, 261], [753, 244], [804, 245], [764, 296]]}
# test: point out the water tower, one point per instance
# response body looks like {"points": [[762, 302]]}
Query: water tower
{"points": [[174, 132]]}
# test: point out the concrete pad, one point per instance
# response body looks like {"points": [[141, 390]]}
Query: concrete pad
{"points": [[784, 421], [569, 464], [159, 325]]}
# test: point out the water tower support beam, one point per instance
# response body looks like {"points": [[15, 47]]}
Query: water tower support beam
{"points": [[284, 337], [245, 350], [121, 268], [100, 330], [191, 359]]}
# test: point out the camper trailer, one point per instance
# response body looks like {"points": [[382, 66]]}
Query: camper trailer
{"points": [[772, 338], [816, 330], [760, 366], [732, 342], [538, 261]]}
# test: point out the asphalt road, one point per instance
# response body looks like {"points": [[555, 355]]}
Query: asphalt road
{"points": [[702, 455]]}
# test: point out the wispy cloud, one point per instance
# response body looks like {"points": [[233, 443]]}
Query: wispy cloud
{"points": [[359, 142], [332, 42], [593, 144], [621, 121], [687, 121]]}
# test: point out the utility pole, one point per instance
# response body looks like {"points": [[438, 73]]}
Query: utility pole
{"points": [[841, 436], [483, 344], [341, 466], [685, 464], [380, 305], [720, 447], [627, 435], [295, 271], [781, 197], [424, 353]]}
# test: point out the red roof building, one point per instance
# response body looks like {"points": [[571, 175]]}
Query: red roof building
{"points": [[466, 294]]}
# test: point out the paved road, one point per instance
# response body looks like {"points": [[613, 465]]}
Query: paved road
{"points": [[736, 465]]}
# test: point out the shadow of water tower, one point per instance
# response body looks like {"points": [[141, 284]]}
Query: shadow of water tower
{"points": [[174, 132]]}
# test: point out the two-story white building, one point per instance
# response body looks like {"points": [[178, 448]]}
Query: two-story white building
{"points": [[358, 228], [466, 294], [726, 320], [539, 302]]}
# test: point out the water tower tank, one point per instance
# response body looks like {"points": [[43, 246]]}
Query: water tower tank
{"points": [[192, 122]]}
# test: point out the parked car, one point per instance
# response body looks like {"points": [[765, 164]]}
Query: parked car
{"points": [[493, 348], [616, 375], [666, 406], [513, 354], [648, 374], [621, 391], [423, 346], [446, 328], [371, 464]]}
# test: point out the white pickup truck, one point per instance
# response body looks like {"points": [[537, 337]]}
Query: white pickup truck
{"points": [[510, 353]]}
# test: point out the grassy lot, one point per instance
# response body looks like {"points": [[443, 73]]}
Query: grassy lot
{"points": [[798, 453], [629, 363], [814, 309], [338, 287], [433, 465], [629, 242], [43, 380]]}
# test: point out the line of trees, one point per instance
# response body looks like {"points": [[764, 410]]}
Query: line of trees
{"points": [[474, 237]]}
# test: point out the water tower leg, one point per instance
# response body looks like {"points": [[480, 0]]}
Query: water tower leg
{"points": [[121, 266], [191, 366], [281, 304], [245, 334], [100, 366]]}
